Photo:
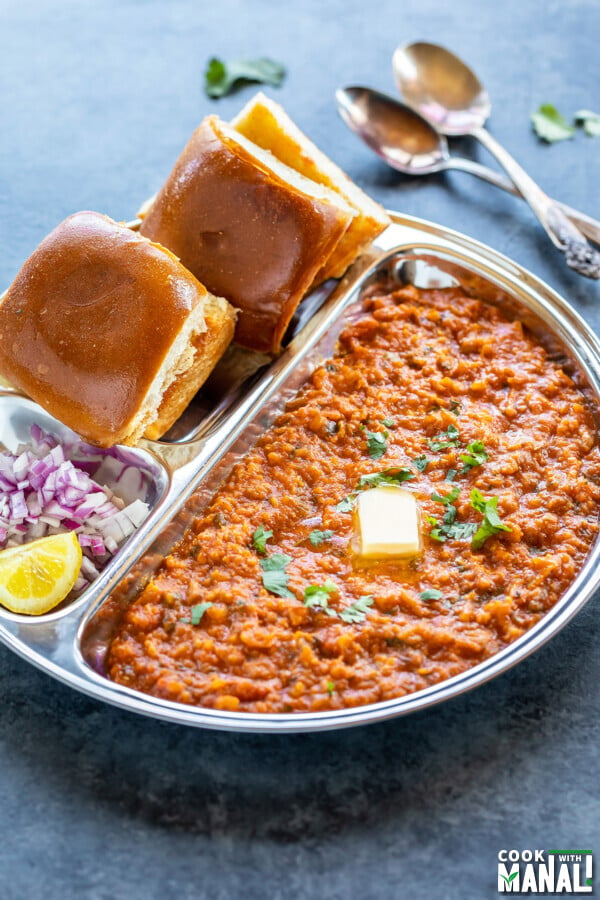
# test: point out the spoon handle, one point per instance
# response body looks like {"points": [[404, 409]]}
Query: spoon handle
{"points": [[561, 231], [586, 224]]}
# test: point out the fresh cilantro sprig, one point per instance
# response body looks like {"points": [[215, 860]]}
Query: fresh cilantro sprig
{"points": [[445, 439], [377, 443], [420, 462], [431, 594], [393, 475], [317, 596], [449, 528], [476, 455], [221, 78], [590, 122], [274, 577], [357, 611], [317, 537], [492, 523], [260, 538], [197, 612], [550, 125]]}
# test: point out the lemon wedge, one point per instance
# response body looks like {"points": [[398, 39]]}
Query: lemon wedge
{"points": [[35, 577]]}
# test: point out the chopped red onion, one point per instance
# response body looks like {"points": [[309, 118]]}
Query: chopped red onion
{"points": [[47, 488]]}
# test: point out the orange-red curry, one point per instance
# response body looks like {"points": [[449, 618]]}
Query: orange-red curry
{"points": [[437, 371]]}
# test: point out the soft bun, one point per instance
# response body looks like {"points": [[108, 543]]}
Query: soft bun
{"points": [[99, 326], [267, 124], [249, 227]]}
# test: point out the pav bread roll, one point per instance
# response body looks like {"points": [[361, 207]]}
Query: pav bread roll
{"points": [[267, 124], [249, 227], [108, 331]]}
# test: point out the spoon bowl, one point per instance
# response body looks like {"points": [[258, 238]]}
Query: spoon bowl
{"points": [[398, 134], [407, 142], [442, 87]]}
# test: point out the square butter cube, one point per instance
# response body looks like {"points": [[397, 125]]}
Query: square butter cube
{"points": [[388, 523]]}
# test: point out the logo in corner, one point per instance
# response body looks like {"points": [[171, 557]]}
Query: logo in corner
{"points": [[545, 871]]}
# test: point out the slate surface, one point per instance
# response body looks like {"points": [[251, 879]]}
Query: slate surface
{"points": [[97, 100]]}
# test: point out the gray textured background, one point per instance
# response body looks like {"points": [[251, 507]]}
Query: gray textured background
{"points": [[97, 99]]}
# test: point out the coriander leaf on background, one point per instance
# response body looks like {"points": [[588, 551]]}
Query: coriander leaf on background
{"points": [[221, 78], [420, 462], [492, 523], [476, 455], [431, 594], [589, 120], [445, 439], [550, 125]]}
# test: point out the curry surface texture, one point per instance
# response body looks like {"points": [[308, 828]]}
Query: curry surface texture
{"points": [[443, 370]]}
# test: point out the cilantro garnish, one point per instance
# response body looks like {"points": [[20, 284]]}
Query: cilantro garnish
{"points": [[197, 612], [492, 523], [590, 121], [420, 462], [451, 475], [317, 537], [386, 476], [222, 78], [330, 688], [476, 455], [449, 528], [357, 611], [376, 443], [550, 125], [448, 498], [444, 440], [431, 594], [345, 505], [274, 576], [260, 538], [317, 595], [389, 423]]}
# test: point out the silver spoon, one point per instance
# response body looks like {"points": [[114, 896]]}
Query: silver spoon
{"points": [[407, 142], [444, 90]]}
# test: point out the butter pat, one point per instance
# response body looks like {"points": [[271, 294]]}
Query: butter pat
{"points": [[388, 523]]}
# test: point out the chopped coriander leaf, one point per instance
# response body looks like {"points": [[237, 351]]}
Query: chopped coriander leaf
{"points": [[451, 475], [260, 538], [455, 406], [590, 121], [448, 498], [317, 537], [357, 611], [376, 443], [330, 688], [431, 594], [274, 576], [346, 505], [550, 125], [476, 455], [492, 523], [461, 531], [222, 78], [444, 440], [317, 595], [420, 462], [389, 423], [387, 476], [197, 612], [436, 529]]}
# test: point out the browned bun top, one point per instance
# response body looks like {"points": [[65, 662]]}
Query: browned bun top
{"points": [[88, 321], [244, 230]]}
